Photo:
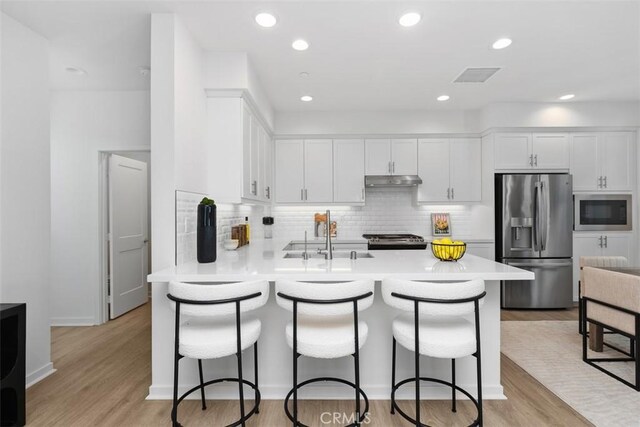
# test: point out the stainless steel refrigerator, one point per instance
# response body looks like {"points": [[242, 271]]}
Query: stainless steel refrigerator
{"points": [[534, 224]]}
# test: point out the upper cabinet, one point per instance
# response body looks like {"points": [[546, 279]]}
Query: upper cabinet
{"points": [[602, 161], [348, 170], [391, 157], [240, 164], [304, 171], [450, 169], [526, 151]]}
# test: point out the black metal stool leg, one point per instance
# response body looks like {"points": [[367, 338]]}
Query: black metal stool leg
{"points": [[204, 403], [393, 373], [295, 364], [239, 357], [356, 358], [453, 385], [478, 362], [176, 360], [255, 370], [417, 360]]}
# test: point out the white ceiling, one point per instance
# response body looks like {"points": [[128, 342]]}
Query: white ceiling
{"points": [[360, 58]]}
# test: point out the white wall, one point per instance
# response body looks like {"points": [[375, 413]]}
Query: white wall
{"points": [[569, 114], [24, 186], [82, 124], [376, 122]]}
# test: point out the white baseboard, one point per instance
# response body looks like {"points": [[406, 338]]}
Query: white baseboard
{"points": [[39, 374], [73, 321], [229, 391]]}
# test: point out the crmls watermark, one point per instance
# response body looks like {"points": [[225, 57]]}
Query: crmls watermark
{"points": [[342, 418]]}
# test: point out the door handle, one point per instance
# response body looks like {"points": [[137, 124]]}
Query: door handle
{"points": [[606, 243], [301, 194], [527, 264], [145, 241], [535, 160], [531, 160], [544, 218], [600, 238], [452, 195], [389, 167], [254, 188], [605, 181], [448, 193], [393, 167], [536, 218], [268, 190], [306, 194], [599, 182]]}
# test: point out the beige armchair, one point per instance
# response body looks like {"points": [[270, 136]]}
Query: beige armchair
{"points": [[611, 300], [596, 261]]}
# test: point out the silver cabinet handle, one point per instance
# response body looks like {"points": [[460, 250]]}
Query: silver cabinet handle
{"points": [[531, 160], [448, 193], [600, 239], [452, 196], [268, 192], [363, 194], [389, 167], [606, 243], [535, 160], [306, 194], [254, 188], [605, 181], [599, 182], [393, 167], [301, 194]]}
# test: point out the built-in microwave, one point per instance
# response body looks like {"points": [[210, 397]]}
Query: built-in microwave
{"points": [[602, 212]]}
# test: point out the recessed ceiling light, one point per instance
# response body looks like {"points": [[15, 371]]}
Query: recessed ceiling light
{"points": [[76, 70], [304, 75], [300, 45], [266, 20], [443, 98], [566, 97], [409, 19], [501, 43], [306, 98]]}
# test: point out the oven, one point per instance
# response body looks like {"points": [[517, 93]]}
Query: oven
{"points": [[602, 212]]}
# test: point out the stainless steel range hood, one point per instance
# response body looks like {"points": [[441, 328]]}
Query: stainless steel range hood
{"points": [[392, 180]]}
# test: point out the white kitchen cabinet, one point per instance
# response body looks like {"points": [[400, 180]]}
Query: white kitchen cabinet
{"points": [[238, 140], [482, 249], [318, 171], [289, 164], [450, 169], [602, 161], [266, 170], [304, 171], [524, 151], [403, 156], [512, 151], [391, 157], [348, 170], [598, 244]]}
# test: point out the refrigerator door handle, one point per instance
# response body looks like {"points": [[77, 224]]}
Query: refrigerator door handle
{"points": [[536, 218], [538, 265], [544, 220]]}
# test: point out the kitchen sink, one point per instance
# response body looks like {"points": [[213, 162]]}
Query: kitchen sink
{"points": [[336, 255]]}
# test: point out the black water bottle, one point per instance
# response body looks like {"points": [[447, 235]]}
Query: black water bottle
{"points": [[207, 236]]}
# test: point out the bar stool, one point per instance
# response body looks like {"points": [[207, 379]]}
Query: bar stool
{"points": [[441, 333], [325, 325], [215, 329]]}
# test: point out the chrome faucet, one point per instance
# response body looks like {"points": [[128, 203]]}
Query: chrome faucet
{"points": [[328, 246]]}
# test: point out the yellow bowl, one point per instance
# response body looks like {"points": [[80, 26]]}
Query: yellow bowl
{"points": [[448, 251]]}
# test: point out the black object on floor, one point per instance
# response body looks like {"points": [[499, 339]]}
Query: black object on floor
{"points": [[12, 364]]}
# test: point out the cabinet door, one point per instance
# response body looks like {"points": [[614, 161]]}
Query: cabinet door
{"points": [[378, 156], [318, 170], [512, 151], [614, 153], [246, 153], [433, 168], [266, 169], [616, 245], [254, 149], [584, 161], [466, 170], [483, 250], [550, 150], [289, 171], [404, 157], [348, 170], [583, 245]]}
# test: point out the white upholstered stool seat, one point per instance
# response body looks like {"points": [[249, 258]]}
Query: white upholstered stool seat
{"points": [[326, 337], [440, 336], [203, 339]]}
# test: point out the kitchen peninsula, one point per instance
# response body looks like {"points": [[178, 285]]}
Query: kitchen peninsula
{"points": [[265, 259]]}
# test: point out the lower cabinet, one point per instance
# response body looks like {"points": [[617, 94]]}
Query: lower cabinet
{"points": [[483, 250], [598, 244]]}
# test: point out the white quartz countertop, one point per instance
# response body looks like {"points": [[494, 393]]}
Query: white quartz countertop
{"points": [[264, 259]]}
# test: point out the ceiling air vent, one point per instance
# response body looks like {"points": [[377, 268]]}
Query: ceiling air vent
{"points": [[476, 75]]}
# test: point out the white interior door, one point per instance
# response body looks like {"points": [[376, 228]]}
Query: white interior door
{"points": [[128, 230]]}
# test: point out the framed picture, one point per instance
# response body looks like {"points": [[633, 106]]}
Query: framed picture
{"points": [[440, 224]]}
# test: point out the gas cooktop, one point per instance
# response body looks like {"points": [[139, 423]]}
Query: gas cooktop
{"points": [[394, 241]]}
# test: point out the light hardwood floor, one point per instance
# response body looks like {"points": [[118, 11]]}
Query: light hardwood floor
{"points": [[104, 373]]}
